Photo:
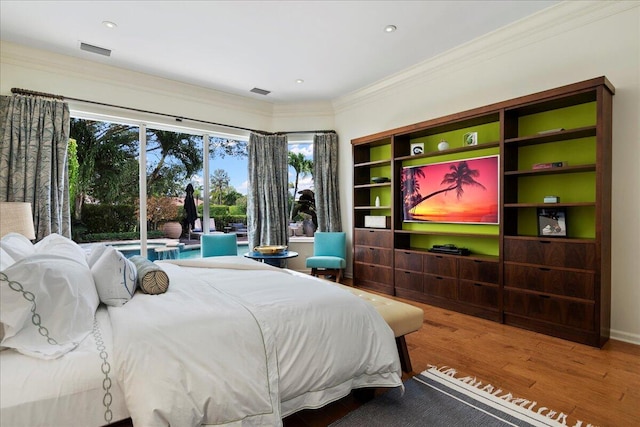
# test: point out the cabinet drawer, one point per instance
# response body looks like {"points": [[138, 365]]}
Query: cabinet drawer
{"points": [[479, 270], [373, 273], [407, 260], [380, 238], [545, 252], [441, 265], [444, 287], [478, 293], [373, 255], [562, 282], [409, 280], [551, 309]]}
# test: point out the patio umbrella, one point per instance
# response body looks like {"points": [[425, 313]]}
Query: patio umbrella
{"points": [[190, 209]]}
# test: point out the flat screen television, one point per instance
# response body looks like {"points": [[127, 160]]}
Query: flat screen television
{"points": [[458, 191]]}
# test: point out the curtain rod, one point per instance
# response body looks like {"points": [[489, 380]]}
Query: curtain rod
{"points": [[18, 91]]}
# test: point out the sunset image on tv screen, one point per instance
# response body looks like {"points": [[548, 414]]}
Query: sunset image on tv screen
{"points": [[459, 191]]}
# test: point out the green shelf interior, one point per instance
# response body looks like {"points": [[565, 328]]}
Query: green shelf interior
{"points": [[575, 116], [380, 152], [571, 188], [483, 245], [576, 152]]}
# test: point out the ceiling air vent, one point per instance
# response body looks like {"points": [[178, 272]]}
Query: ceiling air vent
{"points": [[260, 91], [95, 49]]}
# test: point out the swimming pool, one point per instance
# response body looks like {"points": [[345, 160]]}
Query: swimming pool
{"points": [[194, 252], [160, 250]]}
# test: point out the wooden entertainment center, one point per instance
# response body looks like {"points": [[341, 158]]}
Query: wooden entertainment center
{"points": [[516, 273]]}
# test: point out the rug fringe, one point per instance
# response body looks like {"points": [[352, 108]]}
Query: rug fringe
{"points": [[529, 405]]}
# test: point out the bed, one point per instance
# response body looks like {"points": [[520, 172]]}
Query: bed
{"points": [[231, 342]]}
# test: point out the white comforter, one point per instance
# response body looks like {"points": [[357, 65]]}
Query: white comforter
{"points": [[243, 343]]}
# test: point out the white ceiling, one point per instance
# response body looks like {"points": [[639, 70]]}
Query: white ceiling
{"points": [[336, 47]]}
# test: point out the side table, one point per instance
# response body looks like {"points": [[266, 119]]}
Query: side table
{"points": [[276, 260]]}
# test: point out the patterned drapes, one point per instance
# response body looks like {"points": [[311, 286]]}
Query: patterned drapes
{"points": [[325, 179], [33, 159], [268, 190]]}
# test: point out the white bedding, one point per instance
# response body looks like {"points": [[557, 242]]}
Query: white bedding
{"points": [[67, 391], [229, 345]]}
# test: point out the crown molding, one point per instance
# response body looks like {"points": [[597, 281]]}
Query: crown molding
{"points": [[70, 67], [554, 20]]}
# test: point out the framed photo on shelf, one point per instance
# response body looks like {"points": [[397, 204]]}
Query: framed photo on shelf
{"points": [[417, 148], [552, 222], [470, 138]]}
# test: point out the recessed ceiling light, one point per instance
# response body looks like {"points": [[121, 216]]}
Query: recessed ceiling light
{"points": [[390, 28], [299, 81], [109, 24]]}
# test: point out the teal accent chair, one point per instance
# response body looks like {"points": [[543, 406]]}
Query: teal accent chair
{"points": [[218, 244], [329, 254]]}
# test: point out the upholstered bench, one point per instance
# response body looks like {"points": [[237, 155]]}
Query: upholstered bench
{"points": [[403, 319]]}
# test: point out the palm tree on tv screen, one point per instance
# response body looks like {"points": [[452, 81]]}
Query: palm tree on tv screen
{"points": [[410, 188], [459, 177]]}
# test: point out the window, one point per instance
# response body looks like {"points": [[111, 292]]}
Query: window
{"points": [[105, 186], [301, 189]]}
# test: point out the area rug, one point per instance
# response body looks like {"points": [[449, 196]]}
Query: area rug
{"points": [[436, 397]]}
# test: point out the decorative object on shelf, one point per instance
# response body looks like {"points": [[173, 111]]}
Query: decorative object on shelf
{"points": [[380, 179], [458, 191], [377, 201], [537, 166], [551, 199], [470, 138], [443, 145], [417, 148], [552, 222], [377, 221], [542, 132]]}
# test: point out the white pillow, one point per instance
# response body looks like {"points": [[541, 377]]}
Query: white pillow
{"points": [[17, 246], [6, 260], [96, 252], [115, 277], [47, 305], [55, 244]]}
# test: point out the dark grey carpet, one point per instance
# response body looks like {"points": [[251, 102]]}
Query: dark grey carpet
{"points": [[430, 404]]}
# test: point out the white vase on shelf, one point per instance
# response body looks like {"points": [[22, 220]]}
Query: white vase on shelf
{"points": [[443, 145], [377, 202]]}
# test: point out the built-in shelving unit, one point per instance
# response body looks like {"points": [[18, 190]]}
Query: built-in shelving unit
{"points": [[516, 274]]}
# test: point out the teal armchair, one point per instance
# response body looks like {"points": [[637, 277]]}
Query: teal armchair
{"points": [[329, 254], [218, 245]]}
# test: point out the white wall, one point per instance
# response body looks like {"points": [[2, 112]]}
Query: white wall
{"points": [[571, 42]]}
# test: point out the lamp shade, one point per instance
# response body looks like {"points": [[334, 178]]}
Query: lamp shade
{"points": [[16, 217]]}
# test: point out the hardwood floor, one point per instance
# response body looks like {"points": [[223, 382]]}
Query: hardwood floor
{"points": [[597, 386]]}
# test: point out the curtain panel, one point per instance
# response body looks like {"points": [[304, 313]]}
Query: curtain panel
{"points": [[33, 159], [267, 194], [325, 179]]}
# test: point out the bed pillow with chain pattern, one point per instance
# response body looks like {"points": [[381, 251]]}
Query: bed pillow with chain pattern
{"points": [[47, 305]]}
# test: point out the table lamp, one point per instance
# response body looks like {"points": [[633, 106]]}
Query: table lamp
{"points": [[16, 217]]}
